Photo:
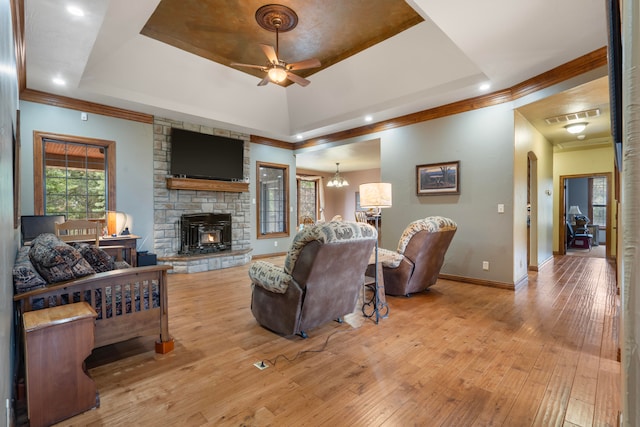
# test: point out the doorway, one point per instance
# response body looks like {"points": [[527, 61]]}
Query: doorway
{"points": [[589, 195]]}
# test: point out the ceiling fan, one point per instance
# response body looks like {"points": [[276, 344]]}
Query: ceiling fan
{"points": [[278, 18]]}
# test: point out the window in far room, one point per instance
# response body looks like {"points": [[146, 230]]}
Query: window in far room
{"points": [[73, 176], [598, 200], [308, 206], [272, 201]]}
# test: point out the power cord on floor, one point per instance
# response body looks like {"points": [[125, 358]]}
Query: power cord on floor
{"points": [[300, 353]]}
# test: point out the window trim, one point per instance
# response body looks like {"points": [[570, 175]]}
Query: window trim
{"points": [[285, 177], [38, 166]]}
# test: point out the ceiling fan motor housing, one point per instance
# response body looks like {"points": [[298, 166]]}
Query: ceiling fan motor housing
{"points": [[276, 17]]}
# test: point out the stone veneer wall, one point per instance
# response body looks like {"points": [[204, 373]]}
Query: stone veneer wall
{"points": [[169, 205]]}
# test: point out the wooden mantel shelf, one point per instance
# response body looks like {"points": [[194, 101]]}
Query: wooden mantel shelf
{"points": [[206, 185]]}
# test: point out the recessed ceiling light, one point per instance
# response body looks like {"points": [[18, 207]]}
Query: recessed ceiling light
{"points": [[59, 81], [299, 136], [485, 86], [75, 11], [368, 118]]}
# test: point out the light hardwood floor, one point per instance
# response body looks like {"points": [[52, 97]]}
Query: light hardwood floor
{"points": [[458, 355]]}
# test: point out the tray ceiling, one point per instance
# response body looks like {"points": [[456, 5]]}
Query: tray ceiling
{"points": [[382, 58], [226, 31]]}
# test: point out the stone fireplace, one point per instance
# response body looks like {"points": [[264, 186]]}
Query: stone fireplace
{"points": [[226, 242], [205, 233]]}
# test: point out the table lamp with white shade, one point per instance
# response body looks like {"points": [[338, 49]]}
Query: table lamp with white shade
{"points": [[573, 211], [376, 195]]}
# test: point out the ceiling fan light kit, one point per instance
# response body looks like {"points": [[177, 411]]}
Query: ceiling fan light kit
{"points": [[278, 18], [277, 74]]}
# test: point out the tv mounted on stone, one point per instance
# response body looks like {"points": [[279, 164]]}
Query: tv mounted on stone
{"points": [[198, 155]]}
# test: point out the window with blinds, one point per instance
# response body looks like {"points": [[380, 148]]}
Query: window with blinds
{"points": [[73, 176]]}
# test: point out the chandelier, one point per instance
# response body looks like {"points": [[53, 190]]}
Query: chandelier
{"points": [[337, 180]]}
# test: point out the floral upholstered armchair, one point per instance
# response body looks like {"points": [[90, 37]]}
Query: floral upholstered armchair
{"points": [[415, 265], [321, 279]]}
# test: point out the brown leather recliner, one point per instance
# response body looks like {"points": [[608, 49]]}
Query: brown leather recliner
{"points": [[321, 280], [417, 262]]}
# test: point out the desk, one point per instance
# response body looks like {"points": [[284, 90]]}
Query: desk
{"points": [[128, 241], [57, 341], [376, 306]]}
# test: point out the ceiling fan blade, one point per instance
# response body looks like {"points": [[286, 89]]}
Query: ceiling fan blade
{"points": [[259, 67], [303, 65], [271, 53], [264, 81], [297, 79]]}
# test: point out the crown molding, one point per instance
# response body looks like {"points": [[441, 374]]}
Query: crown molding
{"points": [[581, 65], [85, 106], [257, 139]]}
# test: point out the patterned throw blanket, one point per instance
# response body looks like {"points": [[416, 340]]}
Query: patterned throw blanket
{"points": [[49, 260]]}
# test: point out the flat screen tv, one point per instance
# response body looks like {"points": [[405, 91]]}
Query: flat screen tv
{"points": [[198, 155]]}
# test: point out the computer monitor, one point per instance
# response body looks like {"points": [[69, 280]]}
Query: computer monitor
{"points": [[31, 226]]}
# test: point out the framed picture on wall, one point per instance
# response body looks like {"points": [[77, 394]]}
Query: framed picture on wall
{"points": [[438, 179]]}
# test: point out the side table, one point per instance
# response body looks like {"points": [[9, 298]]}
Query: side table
{"points": [[57, 340], [129, 241]]}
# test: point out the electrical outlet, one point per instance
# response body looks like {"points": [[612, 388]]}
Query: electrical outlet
{"points": [[485, 265], [261, 365], [500, 208], [275, 243]]}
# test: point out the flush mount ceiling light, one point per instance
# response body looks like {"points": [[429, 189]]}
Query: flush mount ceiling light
{"points": [[337, 180], [576, 127], [278, 18], [75, 11]]}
